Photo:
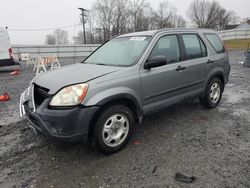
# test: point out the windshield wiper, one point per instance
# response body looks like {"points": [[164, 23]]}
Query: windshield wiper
{"points": [[93, 63], [100, 64]]}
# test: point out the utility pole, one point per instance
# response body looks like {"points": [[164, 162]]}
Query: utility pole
{"points": [[83, 24]]}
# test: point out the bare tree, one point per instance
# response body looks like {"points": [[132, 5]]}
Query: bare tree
{"points": [[206, 14], [104, 11], [138, 13], [235, 19], [109, 18], [90, 19], [179, 21], [224, 19], [165, 15], [78, 39], [61, 36], [50, 39], [120, 17], [144, 17], [196, 12]]}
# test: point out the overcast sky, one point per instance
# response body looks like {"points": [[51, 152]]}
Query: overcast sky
{"points": [[39, 14]]}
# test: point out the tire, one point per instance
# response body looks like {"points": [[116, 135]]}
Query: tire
{"points": [[213, 94], [113, 129]]}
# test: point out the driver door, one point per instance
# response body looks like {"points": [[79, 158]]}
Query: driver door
{"points": [[161, 84]]}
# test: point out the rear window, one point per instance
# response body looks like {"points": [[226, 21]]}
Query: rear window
{"points": [[215, 42], [194, 47]]}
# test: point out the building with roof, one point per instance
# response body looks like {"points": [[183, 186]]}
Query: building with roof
{"points": [[244, 25]]}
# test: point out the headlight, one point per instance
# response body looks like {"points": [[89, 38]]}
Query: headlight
{"points": [[70, 96]]}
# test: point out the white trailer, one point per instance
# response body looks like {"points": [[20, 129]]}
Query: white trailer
{"points": [[6, 55]]}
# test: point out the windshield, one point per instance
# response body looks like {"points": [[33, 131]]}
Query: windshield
{"points": [[124, 51]]}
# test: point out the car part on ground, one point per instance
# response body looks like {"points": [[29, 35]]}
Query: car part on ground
{"points": [[183, 178], [4, 97]]}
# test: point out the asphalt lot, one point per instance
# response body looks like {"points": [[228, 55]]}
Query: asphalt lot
{"points": [[212, 145]]}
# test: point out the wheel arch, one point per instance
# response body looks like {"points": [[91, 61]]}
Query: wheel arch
{"points": [[216, 73], [124, 99]]}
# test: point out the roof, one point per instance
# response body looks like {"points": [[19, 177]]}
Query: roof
{"points": [[245, 25], [228, 27], [153, 32], [141, 33]]}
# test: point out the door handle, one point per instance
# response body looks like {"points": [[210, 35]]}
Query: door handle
{"points": [[209, 62], [180, 68]]}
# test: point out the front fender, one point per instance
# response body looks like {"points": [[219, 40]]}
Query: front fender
{"points": [[112, 94]]}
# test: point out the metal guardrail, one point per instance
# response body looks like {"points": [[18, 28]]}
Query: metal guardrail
{"points": [[61, 51], [75, 51], [234, 34]]}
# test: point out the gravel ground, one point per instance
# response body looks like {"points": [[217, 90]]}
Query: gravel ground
{"points": [[212, 145]]}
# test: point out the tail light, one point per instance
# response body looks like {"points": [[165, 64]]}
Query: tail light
{"points": [[10, 53]]}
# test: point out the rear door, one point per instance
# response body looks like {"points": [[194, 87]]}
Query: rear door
{"points": [[219, 56], [182, 76], [195, 63]]}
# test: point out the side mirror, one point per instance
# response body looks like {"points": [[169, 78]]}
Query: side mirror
{"points": [[155, 61]]}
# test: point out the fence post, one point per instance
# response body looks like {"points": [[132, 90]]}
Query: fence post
{"points": [[18, 52], [57, 51], [74, 53], [38, 50]]}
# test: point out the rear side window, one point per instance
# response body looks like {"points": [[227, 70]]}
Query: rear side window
{"points": [[194, 46], [167, 46], [215, 42]]}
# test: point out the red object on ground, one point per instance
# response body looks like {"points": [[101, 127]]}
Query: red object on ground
{"points": [[4, 97], [15, 73], [136, 142]]}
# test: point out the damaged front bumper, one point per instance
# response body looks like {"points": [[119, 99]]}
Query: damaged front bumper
{"points": [[64, 124]]}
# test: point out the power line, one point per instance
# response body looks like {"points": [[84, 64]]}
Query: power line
{"points": [[45, 29]]}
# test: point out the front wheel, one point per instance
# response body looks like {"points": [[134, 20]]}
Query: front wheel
{"points": [[213, 94], [113, 129]]}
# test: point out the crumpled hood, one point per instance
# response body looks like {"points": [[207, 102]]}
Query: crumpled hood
{"points": [[72, 74]]}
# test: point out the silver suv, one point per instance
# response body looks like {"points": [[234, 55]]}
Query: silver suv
{"points": [[127, 78]]}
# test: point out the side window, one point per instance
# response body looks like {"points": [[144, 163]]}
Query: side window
{"points": [[215, 42], [194, 46], [203, 48], [167, 46]]}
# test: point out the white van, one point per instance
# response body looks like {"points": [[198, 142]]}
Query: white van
{"points": [[6, 54]]}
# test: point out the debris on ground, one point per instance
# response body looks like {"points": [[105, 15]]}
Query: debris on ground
{"points": [[183, 178], [4, 97], [15, 72], [154, 169], [136, 143]]}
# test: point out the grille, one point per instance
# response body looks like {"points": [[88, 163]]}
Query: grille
{"points": [[40, 94]]}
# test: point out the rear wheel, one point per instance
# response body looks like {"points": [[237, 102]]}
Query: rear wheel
{"points": [[113, 128], [213, 94]]}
